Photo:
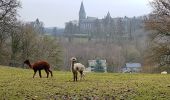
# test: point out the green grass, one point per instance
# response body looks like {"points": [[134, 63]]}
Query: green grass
{"points": [[18, 84]]}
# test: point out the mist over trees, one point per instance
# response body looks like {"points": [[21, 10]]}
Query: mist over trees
{"points": [[119, 41]]}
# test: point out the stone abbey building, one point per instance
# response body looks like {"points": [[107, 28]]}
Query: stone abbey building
{"points": [[105, 27]]}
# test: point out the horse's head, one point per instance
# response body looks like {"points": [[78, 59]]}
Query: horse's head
{"points": [[27, 62], [73, 59]]}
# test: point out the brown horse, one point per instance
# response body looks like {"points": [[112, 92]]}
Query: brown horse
{"points": [[38, 66]]}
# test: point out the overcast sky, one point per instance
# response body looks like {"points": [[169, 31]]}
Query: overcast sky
{"points": [[57, 12]]}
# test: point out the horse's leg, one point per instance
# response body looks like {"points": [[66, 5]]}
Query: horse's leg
{"points": [[81, 74], [73, 76], [50, 72], [47, 72], [34, 73], [76, 76], [40, 73]]}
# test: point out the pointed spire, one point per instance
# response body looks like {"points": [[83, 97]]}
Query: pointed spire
{"points": [[108, 15], [82, 7], [37, 21], [82, 13], [108, 18]]}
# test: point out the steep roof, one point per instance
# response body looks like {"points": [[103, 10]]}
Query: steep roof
{"points": [[82, 10], [108, 15], [133, 65]]}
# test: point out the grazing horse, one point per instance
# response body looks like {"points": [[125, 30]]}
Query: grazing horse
{"points": [[38, 66]]}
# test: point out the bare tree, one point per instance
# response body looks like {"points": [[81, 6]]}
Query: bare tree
{"points": [[8, 8], [8, 13], [159, 24]]}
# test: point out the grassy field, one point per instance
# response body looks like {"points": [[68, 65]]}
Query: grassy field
{"points": [[18, 84]]}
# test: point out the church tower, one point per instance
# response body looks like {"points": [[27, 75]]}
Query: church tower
{"points": [[82, 13], [108, 15]]}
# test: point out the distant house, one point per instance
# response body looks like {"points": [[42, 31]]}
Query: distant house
{"points": [[97, 66], [132, 67]]}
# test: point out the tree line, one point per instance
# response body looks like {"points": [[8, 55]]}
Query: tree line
{"points": [[20, 41]]}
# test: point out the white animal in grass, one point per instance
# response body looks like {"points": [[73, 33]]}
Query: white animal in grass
{"points": [[77, 67], [164, 72]]}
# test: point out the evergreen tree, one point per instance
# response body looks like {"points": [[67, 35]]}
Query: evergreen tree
{"points": [[98, 66]]}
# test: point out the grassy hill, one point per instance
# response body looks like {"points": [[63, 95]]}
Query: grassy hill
{"points": [[18, 84]]}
